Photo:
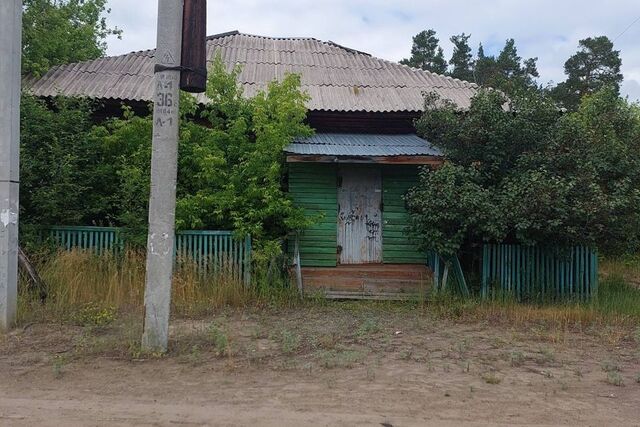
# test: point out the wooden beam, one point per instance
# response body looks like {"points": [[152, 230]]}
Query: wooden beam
{"points": [[392, 160]]}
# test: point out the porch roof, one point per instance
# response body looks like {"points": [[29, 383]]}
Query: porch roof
{"points": [[348, 144]]}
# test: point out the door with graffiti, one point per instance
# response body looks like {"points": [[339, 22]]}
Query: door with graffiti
{"points": [[359, 215]]}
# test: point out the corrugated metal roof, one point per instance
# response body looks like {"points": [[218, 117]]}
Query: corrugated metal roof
{"points": [[348, 144], [336, 78]]}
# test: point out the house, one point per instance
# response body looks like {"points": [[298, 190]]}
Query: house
{"points": [[352, 174]]}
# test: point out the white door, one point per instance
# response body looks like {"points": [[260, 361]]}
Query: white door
{"points": [[359, 215]]}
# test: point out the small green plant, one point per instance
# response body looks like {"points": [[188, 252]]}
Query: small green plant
{"points": [[290, 342], [614, 378], [546, 356], [195, 355], [491, 378], [219, 339], [92, 314], [610, 366], [340, 359], [517, 358], [369, 327], [59, 363], [638, 378], [406, 354]]}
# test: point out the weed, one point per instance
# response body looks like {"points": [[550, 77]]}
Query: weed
{"points": [[369, 327], [219, 339], [610, 366], [517, 358], [638, 378], [59, 363], [463, 346], [92, 314], [406, 354], [614, 378], [371, 374], [328, 341], [491, 378], [546, 356], [195, 355], [340, 359], [289, 341]]}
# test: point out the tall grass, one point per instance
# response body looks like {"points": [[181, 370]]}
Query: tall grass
{"points": [[77, 278]]}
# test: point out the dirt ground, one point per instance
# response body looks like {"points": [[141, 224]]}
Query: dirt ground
{"points": [[336, 365]]}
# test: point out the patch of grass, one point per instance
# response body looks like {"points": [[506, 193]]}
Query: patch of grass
{"points": [[58, 365], [290, 342], [219, 339], [617, 297], [491, 378], [610, 366], [88, 289], [614, 378], [516, 358], [545, 356], [93, 314], [328, 341], [368, 327], [340, 359]]}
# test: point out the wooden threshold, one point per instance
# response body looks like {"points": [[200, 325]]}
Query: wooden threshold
{"points": [[368, 281]]}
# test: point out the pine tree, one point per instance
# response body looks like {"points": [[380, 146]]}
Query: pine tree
{"points": [[595, 65], [484, 67], [426, 54], [461, 59], [508, 72]]}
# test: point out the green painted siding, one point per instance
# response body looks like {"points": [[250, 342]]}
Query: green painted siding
{"points": [[397, 248], [313, 186]]}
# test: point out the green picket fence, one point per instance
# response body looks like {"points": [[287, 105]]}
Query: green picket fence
{"points": [[534, 273], [95, 239], [215, 252], [210, 251]]}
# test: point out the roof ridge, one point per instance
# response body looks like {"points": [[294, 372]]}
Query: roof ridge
{"points": [[464, 82]]}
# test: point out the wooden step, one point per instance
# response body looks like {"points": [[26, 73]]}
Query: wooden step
{"points": [[369, 280]]}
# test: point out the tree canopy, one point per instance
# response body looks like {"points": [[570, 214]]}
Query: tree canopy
{"points": [[231, 162], [58, 32], [426, 54], [461, 62], [534, 177], [596, 65]]}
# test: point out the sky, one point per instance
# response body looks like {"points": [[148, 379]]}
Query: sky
{"points": [[547, 29]]}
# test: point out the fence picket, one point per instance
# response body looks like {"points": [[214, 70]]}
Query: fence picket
{"points": [[211, 252], [534, 272]]}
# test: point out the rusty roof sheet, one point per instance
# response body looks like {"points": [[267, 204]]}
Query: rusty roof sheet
{"points": [[336, 78], [348, 144]]}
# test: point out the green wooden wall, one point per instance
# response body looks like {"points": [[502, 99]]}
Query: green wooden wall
{"points": [[313, 186], [397, 248]]}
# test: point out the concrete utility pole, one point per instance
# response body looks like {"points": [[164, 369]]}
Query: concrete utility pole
{"points": [[10, 56], [162, 202]]}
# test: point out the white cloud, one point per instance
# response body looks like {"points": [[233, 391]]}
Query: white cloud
{"points": [[548, 29]]}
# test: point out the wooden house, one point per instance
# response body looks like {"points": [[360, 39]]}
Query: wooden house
{"points": [[351, 175]]}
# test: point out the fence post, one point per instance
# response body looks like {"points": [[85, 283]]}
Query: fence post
{"points": [[485, 270], [247, 260]]}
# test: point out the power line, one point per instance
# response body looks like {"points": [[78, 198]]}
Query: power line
{"points": [[625, 30]]}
